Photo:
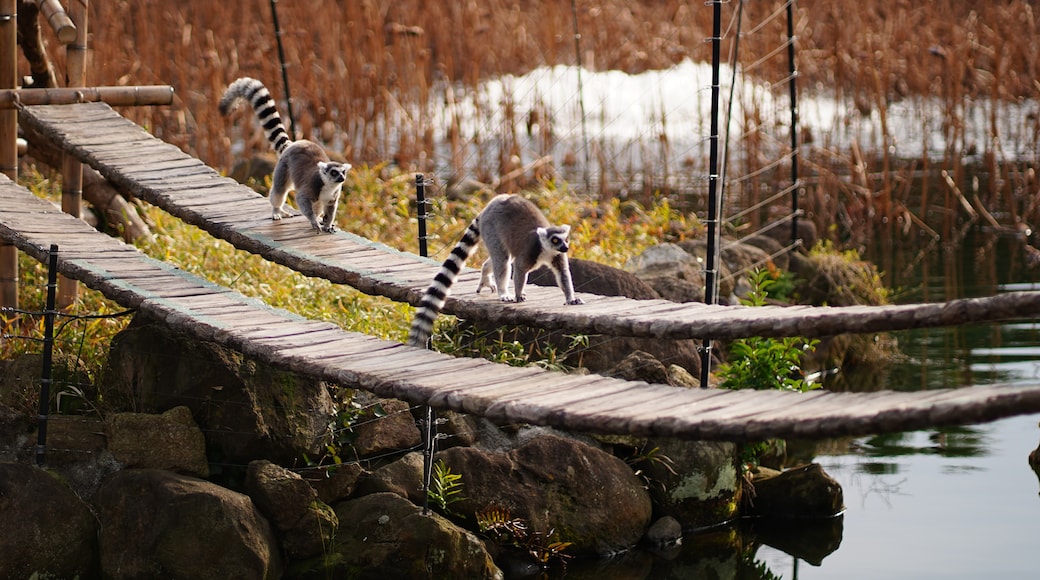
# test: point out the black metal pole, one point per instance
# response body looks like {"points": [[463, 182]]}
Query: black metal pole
{"points": [[711, 279], [430, 431], [48, 354], [793, 87], [285, 73], [420, 201]]}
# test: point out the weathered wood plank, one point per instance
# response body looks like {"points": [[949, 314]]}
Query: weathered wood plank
{"points": [[96, 134]]}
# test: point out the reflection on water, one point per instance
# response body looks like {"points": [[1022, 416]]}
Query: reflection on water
{"points": [[933, 504], [958, 502], [954, 502]]}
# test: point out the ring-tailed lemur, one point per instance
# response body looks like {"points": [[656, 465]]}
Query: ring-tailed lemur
{"points": [[302, 165], [514, 232]]}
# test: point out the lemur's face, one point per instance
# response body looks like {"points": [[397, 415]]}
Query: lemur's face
{"points": [[332, 172], [555, 238]]}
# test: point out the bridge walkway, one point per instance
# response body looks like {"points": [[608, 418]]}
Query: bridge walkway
{"points": [[165, 176], [183, 186]]}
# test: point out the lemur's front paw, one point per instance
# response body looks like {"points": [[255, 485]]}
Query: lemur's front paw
{"points": [[505, 298], [574, 302], [329, 229]]}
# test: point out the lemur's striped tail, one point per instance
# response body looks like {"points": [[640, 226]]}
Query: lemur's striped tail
{"points": [[433, 299], [260, 98]]}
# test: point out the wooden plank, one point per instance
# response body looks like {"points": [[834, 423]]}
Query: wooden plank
{"points": [[562, 394], [336, 344], [606, 410], [121, 150], [487, 385], [147, 169], [615, 413]]}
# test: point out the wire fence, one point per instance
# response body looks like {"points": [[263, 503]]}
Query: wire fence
{"points": [[64, 387], [510, 126]]}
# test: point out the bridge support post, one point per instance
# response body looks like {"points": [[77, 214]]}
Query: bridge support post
{"points": [[72, 169], [430, 421], [711, 268], [48, 355], [792, 86], [9, 141]]}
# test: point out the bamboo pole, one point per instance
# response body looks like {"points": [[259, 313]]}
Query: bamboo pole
{"points": [[8, 141], [115, 96], [59, 21], [77, 57]]}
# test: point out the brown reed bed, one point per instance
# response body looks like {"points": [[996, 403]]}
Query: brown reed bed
{"points": [[372, 80]]}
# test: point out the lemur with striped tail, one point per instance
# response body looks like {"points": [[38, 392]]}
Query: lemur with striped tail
{"points": [[515, 233], [302, 164]]}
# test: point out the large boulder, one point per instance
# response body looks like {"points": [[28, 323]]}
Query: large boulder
{"points": [[77, 449], [384, 535], [589, 497], [696, 482], [603, 352], [403, 477], [48, 531], [170, 441], [16, 435], [247, 409], [599, 279], [161, 524], [304, 523], [797, 493], [641, 366], [334, 482], [394, 429], [675, 274]]}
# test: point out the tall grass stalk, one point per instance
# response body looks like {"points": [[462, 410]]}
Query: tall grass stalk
{"points": [[379, 81]]}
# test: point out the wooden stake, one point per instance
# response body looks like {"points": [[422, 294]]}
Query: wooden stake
{"points": [[8, 141], [72, 169], [60, 22]]}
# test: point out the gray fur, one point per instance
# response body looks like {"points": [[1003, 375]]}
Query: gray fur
{"points": [[302, 164], [518, 237]]}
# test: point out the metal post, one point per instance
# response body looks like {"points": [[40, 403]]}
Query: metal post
{"points": [[430, 420], [792, 85], [711, 278], [48, 353], [420, 202], [9, 141]]}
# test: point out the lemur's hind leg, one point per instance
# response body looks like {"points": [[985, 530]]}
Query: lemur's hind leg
{"points": [[279, 192], [485, 277]]}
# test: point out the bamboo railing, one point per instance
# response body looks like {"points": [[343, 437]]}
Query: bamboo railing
{"points": [[71, 30]]}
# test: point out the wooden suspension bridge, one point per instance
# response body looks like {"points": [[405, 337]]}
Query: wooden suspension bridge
{"points": [[161, 174]]}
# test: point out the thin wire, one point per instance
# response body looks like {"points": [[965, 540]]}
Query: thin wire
{"points": [[581, 94], [775, 14]]}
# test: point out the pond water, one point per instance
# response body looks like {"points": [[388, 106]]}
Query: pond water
{"points": [[944, 503], [956, 502]]}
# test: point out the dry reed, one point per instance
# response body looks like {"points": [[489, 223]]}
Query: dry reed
{"points": [[377, 80]]}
